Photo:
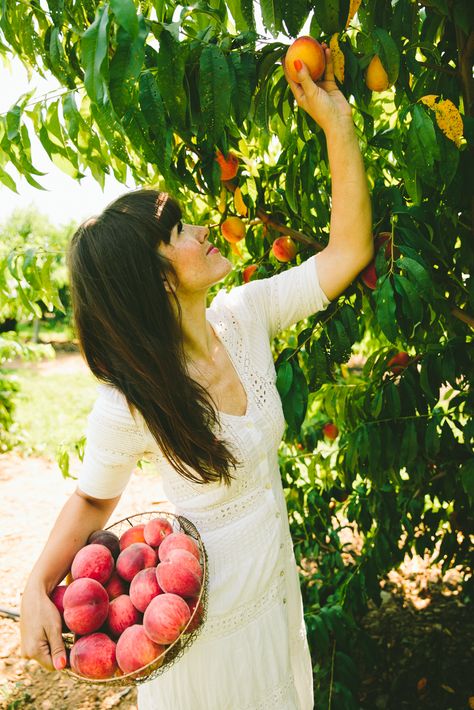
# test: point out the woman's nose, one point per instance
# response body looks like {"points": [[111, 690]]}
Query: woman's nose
{"points": [[203, 234]]}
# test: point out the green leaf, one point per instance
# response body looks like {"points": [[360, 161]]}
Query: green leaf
{"points": [[271, 15], [331, 15], [94, 46], [422, 146], [214, 91], [284, 378], [392, 401], [388, 52], [126, 16], [125, 67], [153, 110], [467, 479], [386, 309], [295, 13], [432, 437], [296, 400], [7, 180], [321, 636], [13, 122], [171, 60], [351, 324], [409, 444], [412, 306], [291, 181], [420, 277]]}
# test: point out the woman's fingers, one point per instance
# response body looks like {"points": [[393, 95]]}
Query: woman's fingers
{"points": [[298, 92]]}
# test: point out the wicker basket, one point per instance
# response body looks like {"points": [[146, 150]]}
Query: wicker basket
{"points": [[175, 650]]}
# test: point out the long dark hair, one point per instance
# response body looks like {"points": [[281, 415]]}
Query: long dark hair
{"points": [[130, 336]]}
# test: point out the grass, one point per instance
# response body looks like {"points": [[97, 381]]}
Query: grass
{"points": [[52, 409]]}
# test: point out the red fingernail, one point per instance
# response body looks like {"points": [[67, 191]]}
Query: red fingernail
{"points": [[298, 64], [60, 663]]}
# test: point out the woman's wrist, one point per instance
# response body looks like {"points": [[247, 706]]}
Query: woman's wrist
{"points": [[343, 128]]}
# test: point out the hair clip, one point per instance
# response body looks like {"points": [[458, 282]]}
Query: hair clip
{"points": [[160, 203]]}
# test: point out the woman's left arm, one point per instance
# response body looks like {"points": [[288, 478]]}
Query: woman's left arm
{"points": [[350, 246]]}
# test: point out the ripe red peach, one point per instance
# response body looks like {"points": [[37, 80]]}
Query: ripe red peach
{"points": [[156, 530], [284, 249], [135, 557], [369, 274], [196, 621], [57, 596], [144, 587], [135, 649], [106, 538], [229, 165], [86, 605], [330, 431], [178, 540], [185, 559], [93, 561], [122, 614], [398, 362], [309, 51], [248, 272], [177, 578], [233, 229], [93, 656], [131, 535], [116, 586], [165, 618]]}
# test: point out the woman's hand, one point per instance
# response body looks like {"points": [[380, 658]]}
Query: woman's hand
{"points": [[40, 630], [322, 99]]}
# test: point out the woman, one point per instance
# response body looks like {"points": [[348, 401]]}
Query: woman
{"points": [[193, 388]]}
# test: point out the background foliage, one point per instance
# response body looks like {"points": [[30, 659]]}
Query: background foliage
{"points": [[150, 90]]}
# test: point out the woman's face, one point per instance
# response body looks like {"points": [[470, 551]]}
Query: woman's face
{"points": [[197, 264]]}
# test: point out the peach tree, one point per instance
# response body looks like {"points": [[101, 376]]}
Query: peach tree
{"points": [[193, 98]]}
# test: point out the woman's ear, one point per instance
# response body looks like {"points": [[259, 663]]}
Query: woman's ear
{"points": [[168, 286]]}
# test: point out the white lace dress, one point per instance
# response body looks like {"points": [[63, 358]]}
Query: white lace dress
{"points": [[252, 653]]}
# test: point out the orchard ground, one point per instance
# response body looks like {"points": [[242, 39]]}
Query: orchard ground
{"points": [[423, 630]]}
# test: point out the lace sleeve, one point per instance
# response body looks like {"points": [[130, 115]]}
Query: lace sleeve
{"points": [[280, 300], [115, 442]]}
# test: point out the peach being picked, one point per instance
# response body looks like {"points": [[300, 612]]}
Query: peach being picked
{"points": [[93, 656], [134, 534], [86, 605], [135, 649], [122, 614], [133, 558], [106, 538], [156, 530], [178, 540], [165, 618], [93, 561], [307, 50], [177, 576], [144, 587]]}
